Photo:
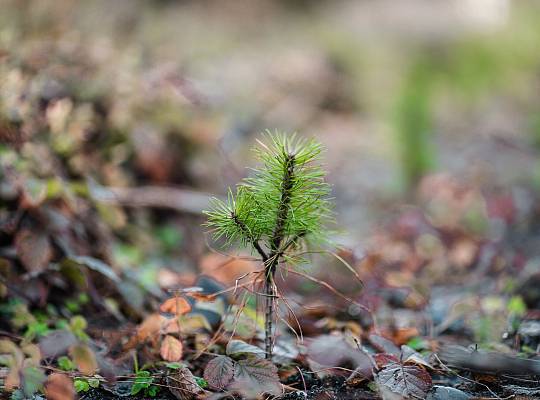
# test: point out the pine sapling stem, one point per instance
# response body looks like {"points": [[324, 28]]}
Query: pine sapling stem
{"points": [[273, 260], [272, 211]]}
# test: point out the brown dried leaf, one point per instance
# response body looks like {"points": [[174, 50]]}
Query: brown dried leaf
{"points": [[84, 359], [34, 249], [171, 349], [409, 381], [59, 387], [383, 359], [219, 372], [8, 347], [182, 384], [255, 375], [32, 351], [383, 344], [13, 379], [176, 306], [226, 269], [151, 326], [239, 347]]}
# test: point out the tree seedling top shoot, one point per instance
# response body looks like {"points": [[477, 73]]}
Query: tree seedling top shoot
{"points": [[281, 206]]}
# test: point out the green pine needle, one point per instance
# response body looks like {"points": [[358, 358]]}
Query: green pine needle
{"points": [[283, 203]]}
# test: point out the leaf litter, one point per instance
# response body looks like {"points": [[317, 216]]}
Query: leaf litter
{"points": [[433, 277]]}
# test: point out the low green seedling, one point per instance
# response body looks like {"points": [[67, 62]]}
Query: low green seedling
{"points": [[281, 207]]}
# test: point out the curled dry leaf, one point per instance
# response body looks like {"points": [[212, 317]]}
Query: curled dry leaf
{"points": [[59, 387], [202, 296], [382, 359], [84, 359], [171, 349], [34, 249], [219, 372], [405, 380], [175, 305], [151, 326], [239, 347], [182, 384]]}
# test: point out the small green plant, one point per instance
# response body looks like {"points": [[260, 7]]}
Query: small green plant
{"points": [[282, 205], [83, 385], [65, 364], [144, 381]]}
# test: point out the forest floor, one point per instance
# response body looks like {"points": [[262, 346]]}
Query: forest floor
{"points": [[111, 288]]}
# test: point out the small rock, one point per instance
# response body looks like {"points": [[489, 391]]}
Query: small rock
{"points": [[447, 393]]}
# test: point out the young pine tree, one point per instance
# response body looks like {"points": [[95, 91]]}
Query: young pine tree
{"points": [[281, 206]]}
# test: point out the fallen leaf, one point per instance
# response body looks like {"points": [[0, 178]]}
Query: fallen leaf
{"points": [[56, 343], [84, 359], [383, 344], [219, 372], [34, 249], [151, 326], [59, 387], [239, 347], [255, 375], [411, 356], [182, 384], [335, 351], [175, 305], [171, 349], [403, 335], [32, 351], [204, 297], [12, 380], [382, 359], [8, 347], [226, 269], [95, 265], [404, 380]]}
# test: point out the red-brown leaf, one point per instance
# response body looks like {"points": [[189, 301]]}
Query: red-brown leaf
{"points": [[171, 349], [59, 387], [383, 359], [176, 306], [256, 375], [84, 359], [405, 380], [34, 249], [219, 372]]}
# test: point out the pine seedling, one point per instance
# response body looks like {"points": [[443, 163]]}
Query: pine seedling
{"points": [[283, 205]]}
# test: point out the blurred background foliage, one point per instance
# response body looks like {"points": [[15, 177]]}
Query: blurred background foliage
{"points": [[132, 93], [118, 119]]}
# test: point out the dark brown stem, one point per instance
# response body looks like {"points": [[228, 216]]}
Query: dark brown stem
{"points": [[273, 260], [254, 242]]}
